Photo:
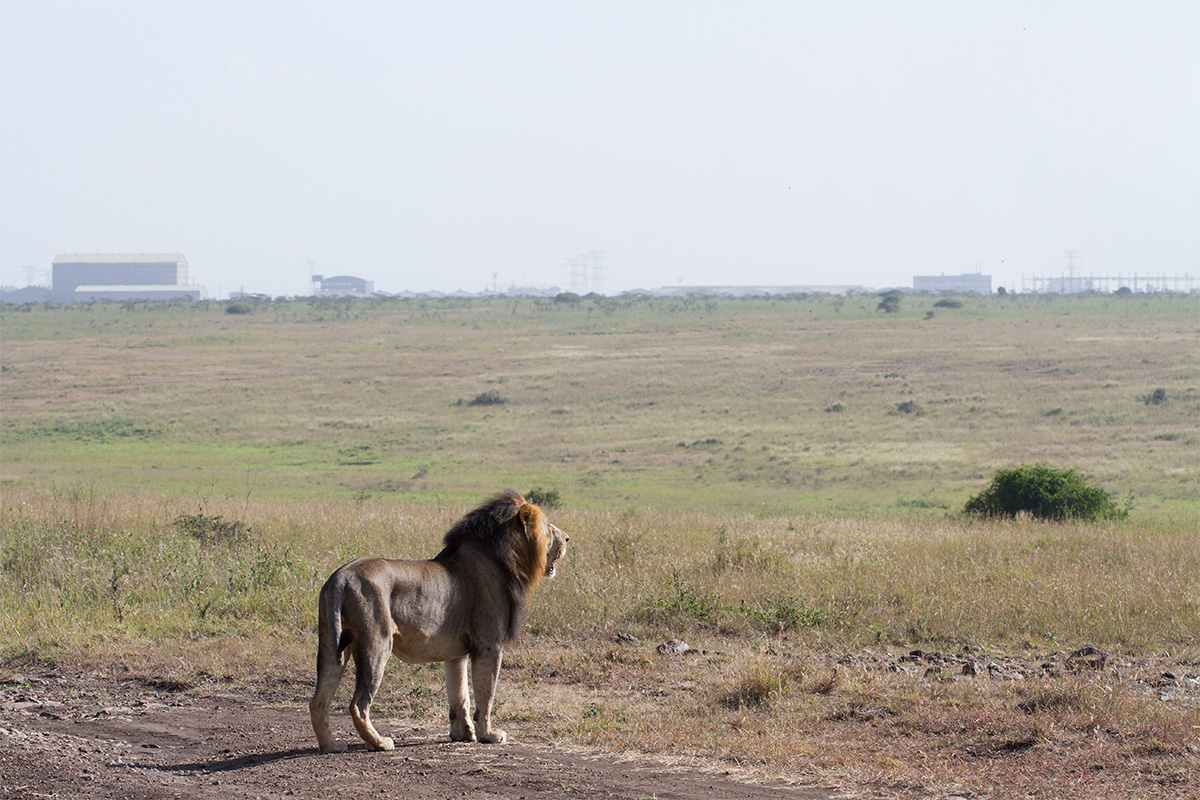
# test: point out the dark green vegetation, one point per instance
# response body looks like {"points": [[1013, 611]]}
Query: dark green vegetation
{"points": [[782, 405], [1045, 493]]}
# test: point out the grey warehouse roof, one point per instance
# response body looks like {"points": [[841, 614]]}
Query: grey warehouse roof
{"points": [[117, 258]]}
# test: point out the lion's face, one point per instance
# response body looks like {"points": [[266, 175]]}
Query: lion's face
{"points": [[558, 546]]}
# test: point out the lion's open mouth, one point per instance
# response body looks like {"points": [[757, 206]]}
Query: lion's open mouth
{"points": [[550, 569]]}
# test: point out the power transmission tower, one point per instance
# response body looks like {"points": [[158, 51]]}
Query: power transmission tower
{"points": [[587, 272], [595, 267], [1072, 258]]}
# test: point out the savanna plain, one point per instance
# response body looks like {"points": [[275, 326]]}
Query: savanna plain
{"points": [[770, 574]]}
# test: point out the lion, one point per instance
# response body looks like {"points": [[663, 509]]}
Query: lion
{"points": [[460, 608]]}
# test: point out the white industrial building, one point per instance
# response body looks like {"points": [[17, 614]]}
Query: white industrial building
{"points": [[79, 278]]}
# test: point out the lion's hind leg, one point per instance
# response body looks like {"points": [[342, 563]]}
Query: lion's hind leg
{"points": [[369, 660], [329, 676]]}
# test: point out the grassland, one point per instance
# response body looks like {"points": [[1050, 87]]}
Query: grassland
{"points": [[764, 406], [178, 481]]}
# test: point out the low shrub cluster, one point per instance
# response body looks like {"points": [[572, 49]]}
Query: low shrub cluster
{"points": [[489, 398], [1046, 493], [546, 498], [1155, 398]]}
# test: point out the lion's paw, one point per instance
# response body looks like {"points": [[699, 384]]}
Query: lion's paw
{"points": [[385, 743], [462, 735], [494, 737], [337, 746]]}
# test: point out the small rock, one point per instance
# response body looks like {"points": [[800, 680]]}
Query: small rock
{"points": [[1087, 658], [673, 647]]}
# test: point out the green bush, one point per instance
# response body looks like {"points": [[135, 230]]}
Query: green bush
{"points": [[1155, 398], [548, 498], [238, 308], [890, 302], [1046, 493], [489, 398]]}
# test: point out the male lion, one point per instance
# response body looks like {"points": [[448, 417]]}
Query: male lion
{"points": [[464, 604]]}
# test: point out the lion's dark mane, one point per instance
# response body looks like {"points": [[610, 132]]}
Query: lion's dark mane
{"points": [[490, 530]]}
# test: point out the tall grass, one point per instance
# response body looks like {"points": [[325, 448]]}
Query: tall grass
{"points": [[80, 570], [843, 581]]}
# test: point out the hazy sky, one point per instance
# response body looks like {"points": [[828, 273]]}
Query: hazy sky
{"points": [[429, 145]]}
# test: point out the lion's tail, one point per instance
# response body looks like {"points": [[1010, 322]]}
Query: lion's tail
{"points": [[335, 591]]}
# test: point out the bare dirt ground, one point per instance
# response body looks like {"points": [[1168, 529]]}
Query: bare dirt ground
{"points": [[72, 731], [79, 736]]}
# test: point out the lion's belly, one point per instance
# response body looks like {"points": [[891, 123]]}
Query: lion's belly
{"points": [[416, 647]]}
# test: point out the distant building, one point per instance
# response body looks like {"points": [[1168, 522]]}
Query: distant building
{"points": [[343, 286], [754, 291], [122, 276], [967, 282], [1068, 284]]}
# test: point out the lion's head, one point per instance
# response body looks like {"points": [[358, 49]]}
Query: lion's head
{"points": [[557, 549], [513, 532]]}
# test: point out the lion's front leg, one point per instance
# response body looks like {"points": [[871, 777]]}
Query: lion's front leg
{"points": [[485, 669], [461, 727]]}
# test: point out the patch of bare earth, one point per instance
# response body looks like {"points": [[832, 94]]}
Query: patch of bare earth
{"points": [[631, 720], [81, 736]]}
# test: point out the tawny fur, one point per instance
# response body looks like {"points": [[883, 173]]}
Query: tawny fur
{"points": [[460, 608]]}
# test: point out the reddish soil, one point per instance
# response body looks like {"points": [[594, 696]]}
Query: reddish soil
{"points": [[87, 737]]}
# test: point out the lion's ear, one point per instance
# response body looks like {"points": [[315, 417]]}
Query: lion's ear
{"points": [[531, 518]]}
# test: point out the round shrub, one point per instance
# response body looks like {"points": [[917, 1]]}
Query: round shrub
{"points": [[547, 498], [890, 303], [1155, 398], [1046, 493], [489, 398], [238, 308]]}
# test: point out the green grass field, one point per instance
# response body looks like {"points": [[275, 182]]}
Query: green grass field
{"points": [[771, 407]]}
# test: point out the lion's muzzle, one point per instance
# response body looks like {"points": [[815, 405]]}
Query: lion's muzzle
{"points": [[558, 546]]}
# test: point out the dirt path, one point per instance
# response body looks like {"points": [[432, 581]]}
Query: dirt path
{"points": [[88, 738]]}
